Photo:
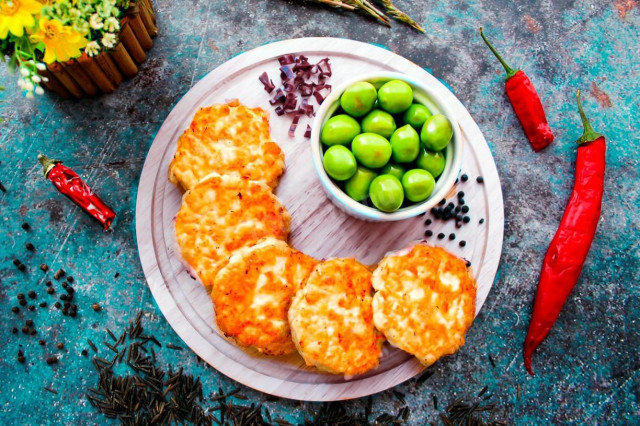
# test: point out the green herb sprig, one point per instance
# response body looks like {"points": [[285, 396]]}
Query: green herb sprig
{"points": [[368, 8]]}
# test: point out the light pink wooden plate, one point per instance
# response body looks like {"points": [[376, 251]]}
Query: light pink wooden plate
{"points": [[317, 227]]}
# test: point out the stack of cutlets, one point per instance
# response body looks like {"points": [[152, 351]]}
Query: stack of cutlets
{"points": [[232, 231]]}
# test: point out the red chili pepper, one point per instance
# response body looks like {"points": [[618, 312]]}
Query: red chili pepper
{"points": [[568, 249], [526, 104], [71, 185]]}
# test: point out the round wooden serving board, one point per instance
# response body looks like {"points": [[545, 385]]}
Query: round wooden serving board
{"points": [[317, 227]]}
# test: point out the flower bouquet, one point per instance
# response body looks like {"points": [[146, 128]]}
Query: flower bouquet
{"points": [[75, 47]]}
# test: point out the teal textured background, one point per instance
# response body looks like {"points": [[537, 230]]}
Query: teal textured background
{"points": [[587, 369]]}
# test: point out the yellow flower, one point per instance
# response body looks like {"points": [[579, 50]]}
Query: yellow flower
{"points": [[16, 15], [61, 42]]}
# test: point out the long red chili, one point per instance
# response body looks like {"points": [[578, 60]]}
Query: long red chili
{"points": [[526, 104], [568, 249], [71, 185]]}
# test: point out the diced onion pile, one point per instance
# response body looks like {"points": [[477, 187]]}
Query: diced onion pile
{"points": [[297, 77]]}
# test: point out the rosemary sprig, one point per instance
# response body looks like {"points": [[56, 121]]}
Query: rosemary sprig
{"points": [[367, 7], [396, 13]]}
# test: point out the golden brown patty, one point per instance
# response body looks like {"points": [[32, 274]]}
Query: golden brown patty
{"points": [[222, 214], [252, 294], [227, 139], [331, 319], [425, 301]]}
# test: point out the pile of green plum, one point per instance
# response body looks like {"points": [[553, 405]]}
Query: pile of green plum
{"points": [[382, 146]]}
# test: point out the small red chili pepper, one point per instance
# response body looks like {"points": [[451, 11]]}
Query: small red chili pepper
{"points": [[526, 104], [568, 249], [71, 185]]}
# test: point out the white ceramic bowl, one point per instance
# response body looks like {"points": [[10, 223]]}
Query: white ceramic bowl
{"points": [[421, 94]]}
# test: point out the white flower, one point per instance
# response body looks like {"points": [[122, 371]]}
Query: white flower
{"points": [[111, 24], [21, 83], [25, 72], [41, 66], [36, 79], [28, 86], [45, 79], [39, 91], [108, 40], [92, 48], [29, 95], [96, 22]]}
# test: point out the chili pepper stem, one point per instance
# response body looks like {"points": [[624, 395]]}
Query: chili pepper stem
{"points": [[589, 135], [47, 163], [510, 71]]}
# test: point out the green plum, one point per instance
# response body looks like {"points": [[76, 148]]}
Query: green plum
{"points": [[418, 185], [416, 115], [395, 96], [431, 161], [371, 150], [339, 130], [380, 122], [339, 162], [357, 187], [358, 99], [436, 132], [393, 169], [386, 193], [405, 144]]}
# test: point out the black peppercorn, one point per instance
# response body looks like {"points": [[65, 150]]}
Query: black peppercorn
{"points": [[97, 307], [60, 345], [464, 209], [32, 294], [20, 296], [22, 302], [462, 243], [32, 307], [461, 194], [70, 278], [84, 352], [479, 179], [481, 221], [15, 309], [29, 247], [466, 219], [52, 360], [44, 267], [427, 222], [59, 274], [41, 342], [21, 359], [57, 305], [25, 226], [464, 178], [461, 201], [441, 236], [29, 323], [48, 283], [468, 263], [43, 304], [452, 236], [25, 329], [64, 297], [50, 290], [33, 332], [14, 330], [428, 233]]}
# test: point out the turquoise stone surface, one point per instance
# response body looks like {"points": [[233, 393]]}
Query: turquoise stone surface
{"points": [[587, 370]]}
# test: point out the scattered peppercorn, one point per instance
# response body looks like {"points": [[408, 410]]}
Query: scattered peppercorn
{"points": [[462, 243], [19, 265], [64, 297], [468, 263], [442, 202], [44, 267], [57, 305], [15, 309], [32, 294], [48, 283], [464, 178], [32, 307], [479, 179], [25, 329], [43, 304], [41, 342], [464, 209], [461, 194], [29, 323], [428, 233], [118, 273], [466, 219], [52, 360], [60, 345], [65, 285], [33, 332], [20, 296], [70, 278], [14, 330], [427, 222], [97, 307], [452, 236], [51, 290], [67, 304], [441, 236], [84, 352], [59, 274], [2, 188], [21, 359], [481, 221], [22, 302], [25, 226], [29, 247]]}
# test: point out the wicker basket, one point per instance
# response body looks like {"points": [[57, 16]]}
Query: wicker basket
{"points": [[89, 76]]}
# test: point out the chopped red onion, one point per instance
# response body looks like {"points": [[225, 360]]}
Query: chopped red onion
{"points": [[296, 78], [266, 82]]}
